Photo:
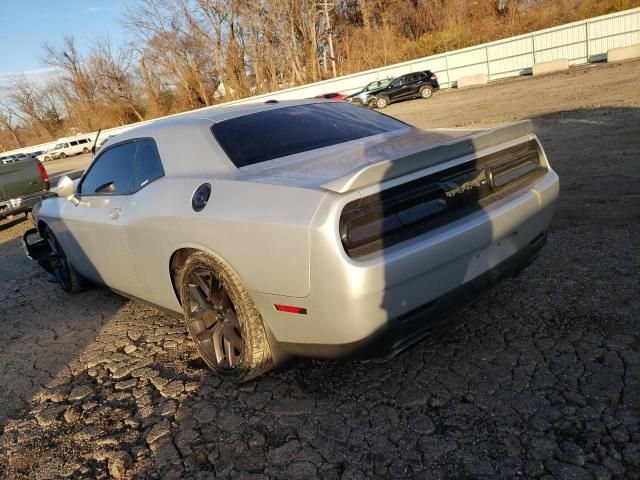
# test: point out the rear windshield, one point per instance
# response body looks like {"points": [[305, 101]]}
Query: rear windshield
{"points": [[263, 136]]}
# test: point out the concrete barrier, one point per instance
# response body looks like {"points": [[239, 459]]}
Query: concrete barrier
{"points": [[623, 53], [469, 80], [549, 67]]}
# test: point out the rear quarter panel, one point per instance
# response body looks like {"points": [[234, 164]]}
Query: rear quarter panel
{"points": [[259, 230]]}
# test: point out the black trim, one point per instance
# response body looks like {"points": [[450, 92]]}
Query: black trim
{"points": [[402, 332], [402, 212]]}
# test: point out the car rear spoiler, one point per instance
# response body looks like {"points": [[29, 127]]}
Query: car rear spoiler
{"points": [[430, 156]]}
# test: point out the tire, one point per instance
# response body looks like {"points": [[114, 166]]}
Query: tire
{"points": [[222, 320], [426, 92], [46, 159], [63, 155], [85, 150], [68, 277], [381, 101], [357, 101]]}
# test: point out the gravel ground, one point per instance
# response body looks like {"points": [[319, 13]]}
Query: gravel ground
{"points": [[539, 379]]}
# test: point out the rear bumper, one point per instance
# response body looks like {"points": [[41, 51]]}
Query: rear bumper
{"points": [[401, 332], [380, 305], [19, 205]]}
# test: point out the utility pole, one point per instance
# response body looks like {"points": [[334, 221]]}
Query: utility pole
{"points": [[327, 5]]}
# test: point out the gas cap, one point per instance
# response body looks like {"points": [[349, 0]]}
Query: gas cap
{"points": [[201, 197]]}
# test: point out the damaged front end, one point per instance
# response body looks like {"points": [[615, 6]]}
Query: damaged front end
{"points": [[39, 250]]}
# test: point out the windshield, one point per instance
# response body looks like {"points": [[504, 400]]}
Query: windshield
{"points": [[378, 84], [58, 145], [270, 134]]}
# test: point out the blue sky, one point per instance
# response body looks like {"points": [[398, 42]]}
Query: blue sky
{"points": [[25, 25]]}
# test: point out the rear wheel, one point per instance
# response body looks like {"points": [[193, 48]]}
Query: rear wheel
{"points": [[222, 319], [46, 159], [85, 150], [68, 278], [426, 92]]}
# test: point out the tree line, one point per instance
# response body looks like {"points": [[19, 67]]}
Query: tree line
{"points": [[188, 54]]}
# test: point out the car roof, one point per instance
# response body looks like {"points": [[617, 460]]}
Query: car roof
{"points": [[222, 113], [193, 129]]}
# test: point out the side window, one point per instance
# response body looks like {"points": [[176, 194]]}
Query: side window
{"points": [[398, 82], [112, 173], [66, 145], [73, 144], [82, 140], [148, 166]]}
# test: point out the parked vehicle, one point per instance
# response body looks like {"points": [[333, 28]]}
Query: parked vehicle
{"points": [[412, 85], [363, 96], [332, 96], [309, 228], [21, 186], [66, 147]]}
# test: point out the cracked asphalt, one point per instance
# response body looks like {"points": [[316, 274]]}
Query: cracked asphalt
{"points": [[538, 379]]}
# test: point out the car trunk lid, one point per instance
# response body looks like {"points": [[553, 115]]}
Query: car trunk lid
{"points": [[331, 168]]}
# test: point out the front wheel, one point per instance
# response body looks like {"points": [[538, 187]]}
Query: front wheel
{"points": [[222, 319], [85, 150], [63, 155], [426, 92], [381, 102], [67, 276]]}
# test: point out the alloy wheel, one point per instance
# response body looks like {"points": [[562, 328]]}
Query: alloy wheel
{"points": [[212, 320]]}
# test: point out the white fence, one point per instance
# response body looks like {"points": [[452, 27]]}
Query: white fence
{"points": [[580, 42]]}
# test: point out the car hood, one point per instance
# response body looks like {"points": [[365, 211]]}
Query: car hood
{"points": [[314, 168], [354, 95], [366, 92]]}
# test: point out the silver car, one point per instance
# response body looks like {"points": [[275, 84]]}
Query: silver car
{"points": [[312, 228]]}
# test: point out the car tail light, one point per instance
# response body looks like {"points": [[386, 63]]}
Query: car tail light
{"points": [[434, 76], [290, 309], [396, 214], [43, 174]]}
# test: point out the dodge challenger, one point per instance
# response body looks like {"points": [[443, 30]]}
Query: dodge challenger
{"points": [[299, 229]]}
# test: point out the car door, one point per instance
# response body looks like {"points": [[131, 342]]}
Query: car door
{"points": [[417, 80], [395, 91], [404, 90], [94, 233]]}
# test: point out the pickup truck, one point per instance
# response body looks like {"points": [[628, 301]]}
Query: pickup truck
{"points": [[22, 184]]}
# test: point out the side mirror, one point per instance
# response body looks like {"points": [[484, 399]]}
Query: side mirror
{"points": [[67, 190]]}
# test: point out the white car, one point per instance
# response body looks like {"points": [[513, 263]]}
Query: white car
{"points": [[66, 147], [310, 228]]}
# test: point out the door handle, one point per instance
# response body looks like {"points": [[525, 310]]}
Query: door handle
{"points": [[115, 213]]}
